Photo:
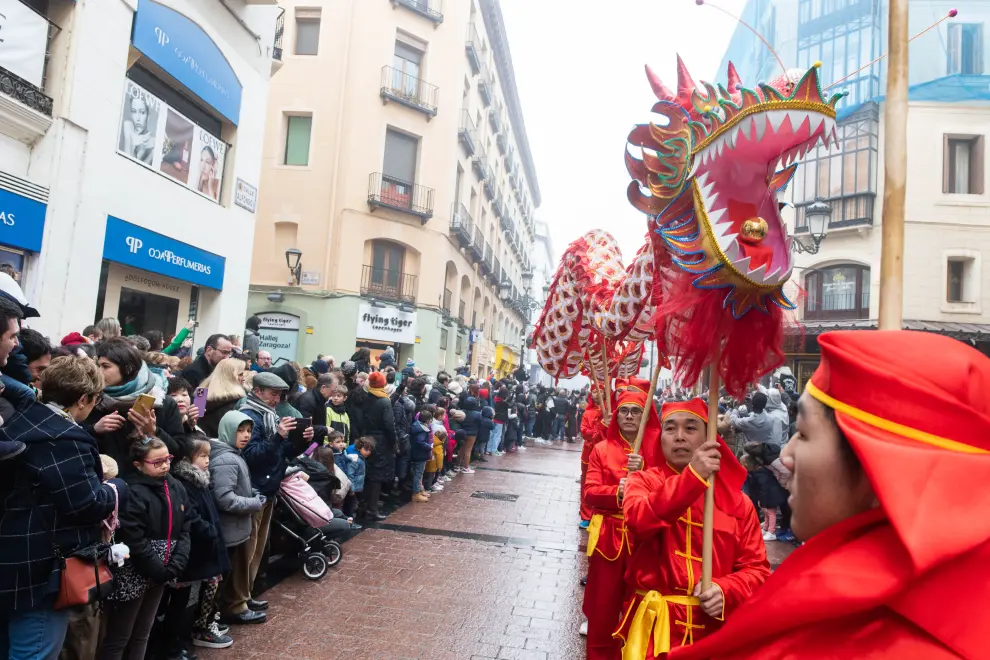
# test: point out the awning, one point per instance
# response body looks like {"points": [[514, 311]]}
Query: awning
{"points": [[962, 331]]}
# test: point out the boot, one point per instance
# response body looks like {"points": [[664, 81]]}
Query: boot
{"points": [[420, 497]]}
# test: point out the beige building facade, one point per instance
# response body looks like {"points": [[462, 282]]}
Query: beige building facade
{"points": [[396, 162]]}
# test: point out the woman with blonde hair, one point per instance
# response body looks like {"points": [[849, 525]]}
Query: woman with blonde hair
{"points": [[110, 327], [225, 389]]}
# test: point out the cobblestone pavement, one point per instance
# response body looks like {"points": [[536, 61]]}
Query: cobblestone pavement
{"points": [[458, 578]]}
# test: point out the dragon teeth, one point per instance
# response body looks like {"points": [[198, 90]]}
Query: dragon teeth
{"points": [[776, 120], [759, 126]]}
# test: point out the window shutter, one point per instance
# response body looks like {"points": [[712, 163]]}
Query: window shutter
{"points": [[954, 49], [400, 157], [946, 165], [976, 167]]}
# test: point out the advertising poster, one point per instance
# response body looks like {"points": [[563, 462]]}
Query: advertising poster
{"points": [[386, 324], [279, 335], [139, 124], [157, 136]]}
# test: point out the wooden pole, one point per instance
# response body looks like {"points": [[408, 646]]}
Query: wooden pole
{"points": [[895, 170], [608, 378], [646, 411], [707, 532]]}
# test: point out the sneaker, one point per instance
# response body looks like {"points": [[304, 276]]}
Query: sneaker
{"points": [[436, 488], [584, 524], [769, 536], [222, 628], [11, 448], [211, 638], [467, 471], [583, 630], [522, 448], [787, 536], [499, 453]]}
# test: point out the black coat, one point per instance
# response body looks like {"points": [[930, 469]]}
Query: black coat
{"points": [[765, 490], [379, 423], [116, 445], [209, 421], [312, 404], [208, 554], [403, 420], [147, 519], [52, 496], [354, 405], [197, 372]]}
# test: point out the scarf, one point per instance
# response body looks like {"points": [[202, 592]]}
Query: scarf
{"points": [[143, 383], [378, 391], [268, 414]]}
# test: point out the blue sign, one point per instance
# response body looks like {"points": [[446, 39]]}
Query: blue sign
{"points": [[189, 55], [142, 248], [22, 221]]}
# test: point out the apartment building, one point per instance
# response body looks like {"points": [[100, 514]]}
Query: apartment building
{"points": [[130, 132], [946, 288], [398, 191]]}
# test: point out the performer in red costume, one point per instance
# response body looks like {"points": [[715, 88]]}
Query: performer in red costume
{"points": [[608, 541], [593, 426], [664, 509], [891, 465]]}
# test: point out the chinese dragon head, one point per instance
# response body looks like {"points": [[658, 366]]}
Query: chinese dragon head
{"points": [[709, 177]]}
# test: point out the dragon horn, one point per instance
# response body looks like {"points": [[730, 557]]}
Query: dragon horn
{"points": [[659, 88], [734, 78], [685, 83]]}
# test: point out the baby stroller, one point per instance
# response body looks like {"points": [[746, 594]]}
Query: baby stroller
{"points": [[299, 513]]}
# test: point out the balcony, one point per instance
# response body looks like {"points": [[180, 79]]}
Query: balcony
{"points": [[480, 164], [429, 9], [25, 109], [461, 225], [391, 193], [485, 85], [467, 133], [477, 247], [495, 119], [472, 47], [448, 296], [409, 91], [850, 211], [502, 140], [486, 263], [390, 285], [462, 313], [277, 42], [496, 275], [497, 207], [507, 225], [489, 183]]}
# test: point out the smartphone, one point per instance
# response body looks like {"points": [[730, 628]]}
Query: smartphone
{"points": [[200, 400], [296, 434], [144, 404]]}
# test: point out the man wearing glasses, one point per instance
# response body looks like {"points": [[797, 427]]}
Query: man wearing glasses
{"points": [[609, 546], [218, 347]]}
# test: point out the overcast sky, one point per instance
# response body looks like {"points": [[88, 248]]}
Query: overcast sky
{"points": [[579, 70]]}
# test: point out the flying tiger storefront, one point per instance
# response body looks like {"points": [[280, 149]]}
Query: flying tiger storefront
{"points": [[150, 281]]}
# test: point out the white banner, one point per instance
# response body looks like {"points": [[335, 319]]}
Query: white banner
{"points": [[386, 324], [24, 41], [156, 136]]}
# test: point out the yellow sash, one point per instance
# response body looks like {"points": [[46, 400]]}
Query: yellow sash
{"points": [[595, 530], [652, 617]]}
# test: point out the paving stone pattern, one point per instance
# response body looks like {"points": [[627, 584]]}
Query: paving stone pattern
{"points": [[458, 578]]}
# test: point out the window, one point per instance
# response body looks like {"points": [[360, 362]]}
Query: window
{"points": [[298, 131], [962, 165], [960, 282], [838, 292], [459, 345], [443, 339], [965, 48], [400, 158], [307, 31], [386, 268]]}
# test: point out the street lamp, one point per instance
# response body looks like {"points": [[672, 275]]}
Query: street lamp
{"points": [[505, 290], [818, 215], [293, 259]]}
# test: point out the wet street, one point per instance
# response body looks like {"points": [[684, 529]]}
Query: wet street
{"points": [[489, 569]]}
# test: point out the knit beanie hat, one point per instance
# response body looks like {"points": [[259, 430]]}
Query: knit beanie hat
{"points": [[376, 380], [410, 363], [348, 368]]}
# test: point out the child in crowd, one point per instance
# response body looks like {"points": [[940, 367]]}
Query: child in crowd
{"points": [[236, 503], [351, 465], [431, 481], [766, 493], [208, 559], [337, 417], [485, 429], [156, 528], [421, 441], [361, 450]]}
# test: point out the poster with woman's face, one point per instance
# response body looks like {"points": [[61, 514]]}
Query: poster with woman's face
{"points": [[139, 124], [177, 146], [208, 157]]}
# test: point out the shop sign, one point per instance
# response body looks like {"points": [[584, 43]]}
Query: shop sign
{"points": [[142, 248], [246, 195], [24, 42], [279, 335], [22, 221], [386, 324], [155, 135], [189, 55]]}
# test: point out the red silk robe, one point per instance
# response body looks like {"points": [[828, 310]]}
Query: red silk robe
{"points": [[664, 513], [851, 592], [593, 432]]}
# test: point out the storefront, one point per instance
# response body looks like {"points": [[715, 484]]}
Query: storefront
{"points": [[381, 327], [506, 360], [22, 223], [152, 282]]}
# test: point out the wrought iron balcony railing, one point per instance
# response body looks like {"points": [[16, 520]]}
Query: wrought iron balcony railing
{"points": [[389, 192], [472, 47], [410, 91], [461, 225], [392, 285], [430, 9], [467, 133]]}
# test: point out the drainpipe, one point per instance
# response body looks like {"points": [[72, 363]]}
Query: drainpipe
{"points": [[257, 37]]}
